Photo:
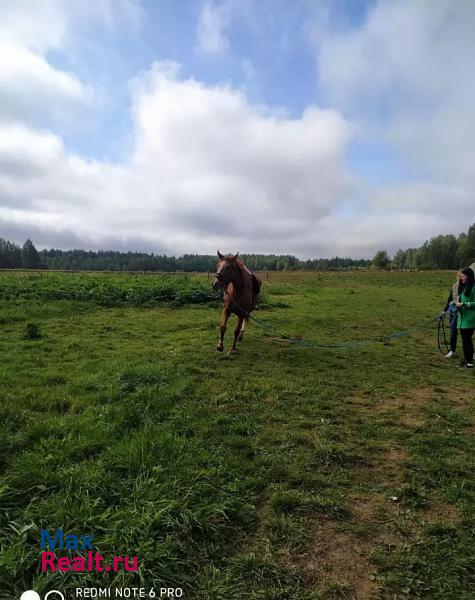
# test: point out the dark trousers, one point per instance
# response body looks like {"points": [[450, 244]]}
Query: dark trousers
{"points": [[453, 331], [467, 343]]}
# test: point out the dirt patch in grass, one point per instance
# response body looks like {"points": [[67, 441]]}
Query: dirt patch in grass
{"points": [[413, 410], [422, 395], [341, 566], [412, 421], [384, 470], [439, 511], [343, 556], [390, 468], [408, 409], [409, 404]]}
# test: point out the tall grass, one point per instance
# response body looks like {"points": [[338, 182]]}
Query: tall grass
{"points": [[107, 290]]}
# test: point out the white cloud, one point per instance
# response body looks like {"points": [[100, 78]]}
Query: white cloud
{"points": [[41, 183], [206, 151], [407, 74], [211, 28], [207, 168], [41, 26], [30, 24], [405, 77], [31, 88]]}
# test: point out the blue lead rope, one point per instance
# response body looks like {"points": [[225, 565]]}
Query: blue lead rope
{"points": [[270, 331], [353, 344]]}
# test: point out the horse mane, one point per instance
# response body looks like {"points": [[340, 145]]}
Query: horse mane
{"points": [[244, 271]]}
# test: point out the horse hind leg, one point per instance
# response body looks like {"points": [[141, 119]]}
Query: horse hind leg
{"points": [[243, 327]]}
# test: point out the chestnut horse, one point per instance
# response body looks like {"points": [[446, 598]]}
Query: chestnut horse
{"points": [[242, 288]]}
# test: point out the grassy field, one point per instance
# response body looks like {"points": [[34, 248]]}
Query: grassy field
{"points": [[281, 472]]}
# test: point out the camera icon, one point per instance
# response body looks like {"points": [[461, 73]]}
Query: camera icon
{"points": [[51, 595]]}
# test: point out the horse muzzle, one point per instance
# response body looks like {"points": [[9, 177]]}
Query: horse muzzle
{"points": [[218, 283]]}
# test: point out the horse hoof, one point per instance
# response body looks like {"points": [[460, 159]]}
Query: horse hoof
{"points": [[220, 348], [232, 351]]}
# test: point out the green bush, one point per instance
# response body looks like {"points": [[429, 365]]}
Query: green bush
{"points": [[108, 290]]}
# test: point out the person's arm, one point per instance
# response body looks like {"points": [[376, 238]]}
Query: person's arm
{"points": [[449, 300], [468, 304]]}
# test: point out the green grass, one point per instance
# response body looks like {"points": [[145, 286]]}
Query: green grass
{"points": [[242, 476]]}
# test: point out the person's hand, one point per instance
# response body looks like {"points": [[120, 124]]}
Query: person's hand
{"points": [[442, 314], [458, 304]]}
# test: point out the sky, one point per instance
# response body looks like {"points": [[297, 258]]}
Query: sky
{"points": [[316, 128]]}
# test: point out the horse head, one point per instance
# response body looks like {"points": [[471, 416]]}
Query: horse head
{"points": [[226, 267]]}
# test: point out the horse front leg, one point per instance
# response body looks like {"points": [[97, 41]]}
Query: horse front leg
{"points": [[224, 320], [237, 331]]}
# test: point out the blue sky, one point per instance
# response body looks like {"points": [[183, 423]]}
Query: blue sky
{"points": [[339, 126]]}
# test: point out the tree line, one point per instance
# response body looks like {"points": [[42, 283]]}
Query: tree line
{"points": [[27, 257], [440, 252], [14, 257]]}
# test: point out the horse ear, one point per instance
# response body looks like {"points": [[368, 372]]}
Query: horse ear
{"points": [[220, 255], [235, 256]]}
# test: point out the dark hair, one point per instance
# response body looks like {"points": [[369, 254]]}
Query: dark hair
{"points": [[468, 285]]}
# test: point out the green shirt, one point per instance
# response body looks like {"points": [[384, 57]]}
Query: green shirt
{"points": [[466, 314]]}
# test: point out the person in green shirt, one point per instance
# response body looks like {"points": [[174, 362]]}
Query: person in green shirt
{"points": [[466, 315]]}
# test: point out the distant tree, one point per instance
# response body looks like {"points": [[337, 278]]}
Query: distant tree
{"points": [[400, 260], [438, 253], [413, 258], [381, 259], [466, 247], [10, 255], [29, 256]]}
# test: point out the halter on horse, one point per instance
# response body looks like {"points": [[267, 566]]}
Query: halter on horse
{"points": [[241, 290]]}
